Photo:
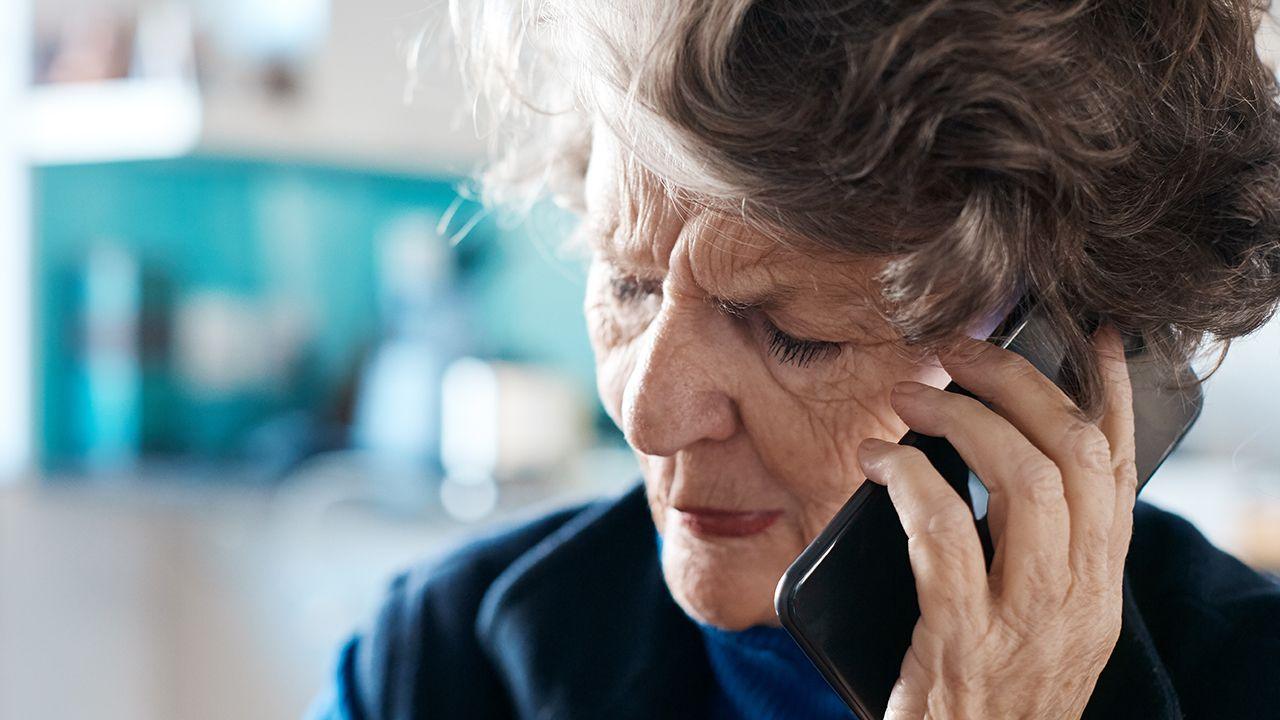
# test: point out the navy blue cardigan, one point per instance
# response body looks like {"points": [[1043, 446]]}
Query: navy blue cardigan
{"points": [[568, 617]]}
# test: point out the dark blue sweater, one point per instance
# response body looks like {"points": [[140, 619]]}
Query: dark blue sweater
{"points": [[761, 673], [569, 617]]}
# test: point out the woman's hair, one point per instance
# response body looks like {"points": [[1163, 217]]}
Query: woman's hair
{"points": [[1120, 159]]}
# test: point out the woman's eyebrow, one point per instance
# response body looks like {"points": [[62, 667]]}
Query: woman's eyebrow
{"points": [[636, 264], [770, 299], [632, 258], [596, 237]]}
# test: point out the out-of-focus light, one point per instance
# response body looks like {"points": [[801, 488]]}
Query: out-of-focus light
{"points": [[273, 30], [396, 415], [469, 421], [112, 120], [113, 373], [469, 501], [226, 343], [15, 258]]}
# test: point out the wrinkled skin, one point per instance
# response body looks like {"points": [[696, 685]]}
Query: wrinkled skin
{"points": [[682, 305], [714, 418]]}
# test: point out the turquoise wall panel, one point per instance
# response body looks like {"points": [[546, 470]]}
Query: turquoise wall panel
{"points": [[302, 235]]}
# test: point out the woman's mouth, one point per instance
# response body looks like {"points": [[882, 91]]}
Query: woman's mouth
{"points": [[726, 523]]}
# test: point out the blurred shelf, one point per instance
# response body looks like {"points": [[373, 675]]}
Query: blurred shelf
{"points": [[112, 120], [122, 120], [353, 98]]}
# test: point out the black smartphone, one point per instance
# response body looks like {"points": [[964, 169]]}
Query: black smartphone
{"points": [[849, 599]]}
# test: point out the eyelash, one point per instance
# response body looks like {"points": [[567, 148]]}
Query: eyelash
{"points": [[784, 347], [798, 352], [630, 288]]}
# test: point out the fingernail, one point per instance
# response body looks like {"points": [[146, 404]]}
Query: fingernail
{"points": [[870, 451], [872, 446], [908, 387]]}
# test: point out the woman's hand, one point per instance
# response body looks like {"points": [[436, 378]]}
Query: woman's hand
{"points": [[1029, 638]]}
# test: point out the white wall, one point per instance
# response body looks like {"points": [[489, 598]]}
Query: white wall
{"points": [[15, 256], [352, 109]]}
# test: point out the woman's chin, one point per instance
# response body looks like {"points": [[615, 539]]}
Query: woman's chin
{"points": [[728, 584]]}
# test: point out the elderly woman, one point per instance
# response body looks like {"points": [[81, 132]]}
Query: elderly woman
{"points": [[801, 215]]}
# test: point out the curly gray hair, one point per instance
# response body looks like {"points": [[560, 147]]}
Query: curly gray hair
{"points": [[1119, 159]]}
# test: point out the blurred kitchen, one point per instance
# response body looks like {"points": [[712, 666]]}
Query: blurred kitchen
{"points": [[261, 349]]}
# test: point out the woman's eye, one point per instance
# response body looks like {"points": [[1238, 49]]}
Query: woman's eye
{"points": [[785, 348], [794, 351], [629, 288]]}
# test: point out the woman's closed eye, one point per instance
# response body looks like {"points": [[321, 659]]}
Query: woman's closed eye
{"points": [[798, 351], [783, 346], [630, 288]]}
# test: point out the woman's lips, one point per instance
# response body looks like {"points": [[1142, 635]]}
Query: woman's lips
{"points": [[726, 523]]}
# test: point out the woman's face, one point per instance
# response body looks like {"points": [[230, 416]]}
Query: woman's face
{"points": [[743, 373]]}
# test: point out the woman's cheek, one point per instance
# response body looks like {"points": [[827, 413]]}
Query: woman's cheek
{"points": [[811, 447], [614, 356], [612, 369], [808, 431]]}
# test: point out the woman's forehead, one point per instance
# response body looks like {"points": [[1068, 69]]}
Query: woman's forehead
{"points": [[634, 217], [637, 223]]}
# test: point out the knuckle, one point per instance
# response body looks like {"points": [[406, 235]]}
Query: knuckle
{"points": [[948, 520], [1024, 620], [1013, 365], [1040, 591], [1125, 470], [1039, 480], [1089, 446]]}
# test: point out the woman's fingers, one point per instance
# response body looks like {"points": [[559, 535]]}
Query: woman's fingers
{"points": [[1117, 425], [946, 554], [1052, 422], [1028, 513]]}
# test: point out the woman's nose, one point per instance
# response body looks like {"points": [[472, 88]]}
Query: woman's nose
{"points": [[678, 392]]}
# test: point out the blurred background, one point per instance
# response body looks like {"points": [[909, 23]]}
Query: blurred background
{"points": [[257, 352]]}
